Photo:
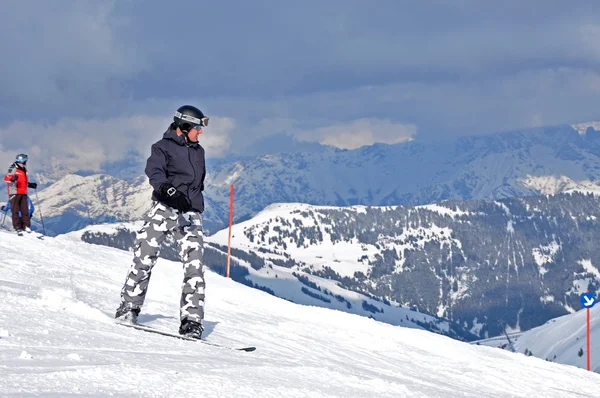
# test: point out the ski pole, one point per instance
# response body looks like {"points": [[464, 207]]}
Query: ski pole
{"points": [[3, 207], [3, 219], [41, 215]]}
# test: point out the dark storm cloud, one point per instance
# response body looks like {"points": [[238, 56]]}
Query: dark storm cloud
{"points": [[314, 68]]}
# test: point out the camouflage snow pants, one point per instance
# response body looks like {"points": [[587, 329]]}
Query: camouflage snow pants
{"points": [[186, 228]]}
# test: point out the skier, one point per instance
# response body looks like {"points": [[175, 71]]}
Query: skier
{"points": [[17, 194], [176, 170], [4, 209]]}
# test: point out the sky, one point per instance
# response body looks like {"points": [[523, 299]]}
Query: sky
{"points": [[58, 338], [104, 77]]}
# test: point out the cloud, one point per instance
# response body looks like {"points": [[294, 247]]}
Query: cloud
{"points": [[96, 50], [85, 144], [81, 143], [360, 132], [216, 138], [450, 68], [530, 98], [67, 57]]}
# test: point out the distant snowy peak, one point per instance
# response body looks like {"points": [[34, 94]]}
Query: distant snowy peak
{"points": [[75, 201], [482, 167], [411, 173], [550, 185], [582, 127], [98, 194], [49, 173]]}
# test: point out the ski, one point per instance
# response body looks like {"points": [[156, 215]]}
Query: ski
{"points": [[32, 233], [37, 235], [151, 329]]}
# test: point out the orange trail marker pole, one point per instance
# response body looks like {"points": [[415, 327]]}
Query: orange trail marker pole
{"points": [[588, 341], [230, 224]]}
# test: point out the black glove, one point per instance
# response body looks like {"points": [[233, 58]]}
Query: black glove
{"points": [[32, 185], [13, 178], [170, 196]]}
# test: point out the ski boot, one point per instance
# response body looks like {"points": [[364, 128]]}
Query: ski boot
{"points": [[127, 314], [191, 329]]}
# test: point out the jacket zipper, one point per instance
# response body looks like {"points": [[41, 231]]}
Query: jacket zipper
{"points": [[193, 168]]}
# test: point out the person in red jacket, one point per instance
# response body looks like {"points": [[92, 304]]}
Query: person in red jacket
{"points": [[17, 193]]}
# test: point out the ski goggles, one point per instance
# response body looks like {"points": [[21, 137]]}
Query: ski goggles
{"points": [[195, 122], [197, 127], [203, 123]]}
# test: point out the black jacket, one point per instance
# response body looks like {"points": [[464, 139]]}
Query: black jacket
{"points": [[180, 163]]}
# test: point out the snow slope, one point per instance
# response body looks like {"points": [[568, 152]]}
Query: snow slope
{"points": [[561, 340], [57, 339]]}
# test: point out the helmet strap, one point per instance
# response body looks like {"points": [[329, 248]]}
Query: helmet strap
{"points": [[185, 133]]}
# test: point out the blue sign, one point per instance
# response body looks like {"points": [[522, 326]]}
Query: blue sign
{"points": [[587, 300]]}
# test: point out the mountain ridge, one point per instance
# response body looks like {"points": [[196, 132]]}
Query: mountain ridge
{"points": [[409, 173]]}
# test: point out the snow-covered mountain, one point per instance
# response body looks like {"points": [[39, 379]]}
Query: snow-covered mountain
{"points": [[57, 338], [547, 160], [483, 167], [561, 340], [278, 279], [552, 185], [76, 201], [480, 264]]}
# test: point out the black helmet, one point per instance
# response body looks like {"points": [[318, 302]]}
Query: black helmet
{"points": [[188, 117], [21, 158]]}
